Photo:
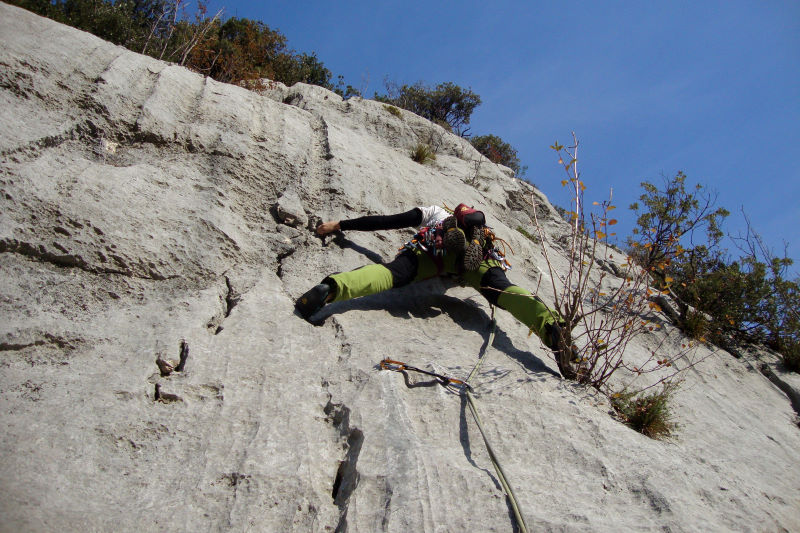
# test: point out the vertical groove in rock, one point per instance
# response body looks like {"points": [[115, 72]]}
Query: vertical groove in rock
{"points": [[320, 168], [347, 476], [231, 297], [229, 300]]}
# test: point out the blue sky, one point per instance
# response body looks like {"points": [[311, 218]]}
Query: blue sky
{"points": [[711, 88]]}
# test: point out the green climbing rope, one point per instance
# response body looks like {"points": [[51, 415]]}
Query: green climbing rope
{"points": [[498, 468], [465, 389]]}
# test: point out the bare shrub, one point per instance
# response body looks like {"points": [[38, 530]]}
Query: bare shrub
{"points": [[601, 316]]}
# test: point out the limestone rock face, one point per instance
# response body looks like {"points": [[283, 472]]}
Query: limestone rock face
{"points": [[144, 208]]}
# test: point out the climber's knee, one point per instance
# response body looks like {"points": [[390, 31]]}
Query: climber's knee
{"points": [[527, 308], [369, 279]]}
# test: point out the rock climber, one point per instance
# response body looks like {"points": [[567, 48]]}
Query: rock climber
{"points": [[458, 245]]}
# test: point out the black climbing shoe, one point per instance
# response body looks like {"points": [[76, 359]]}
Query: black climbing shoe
{"points": [[473, 255], [454, 238], [313, 300], [560, 341]]}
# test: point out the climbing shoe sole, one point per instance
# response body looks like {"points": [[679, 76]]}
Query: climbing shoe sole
{"points": [[454, 239], [473, 255]]}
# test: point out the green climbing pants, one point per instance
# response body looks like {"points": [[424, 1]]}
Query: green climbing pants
{"points": [[415, 265]]}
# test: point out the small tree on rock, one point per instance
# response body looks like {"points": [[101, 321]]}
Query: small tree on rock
{"points": [[671, 215], [446, 103], [498, 151]]}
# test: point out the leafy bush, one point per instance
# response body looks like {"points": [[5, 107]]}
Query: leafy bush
{"points": [[499, 151], [729, 291], [648, 414], [125, 23], [446, 103], [238, 50], [670, 214], [748, 299], [791, 357], [777, 312], [695, 325], [243, 50]]}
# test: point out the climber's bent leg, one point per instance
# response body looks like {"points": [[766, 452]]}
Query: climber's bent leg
{"points": [[372, 279], [529, 310], [491, 281]]}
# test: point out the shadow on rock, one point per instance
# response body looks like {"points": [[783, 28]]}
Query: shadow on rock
{"points": [[343, 242], [426, 300]]}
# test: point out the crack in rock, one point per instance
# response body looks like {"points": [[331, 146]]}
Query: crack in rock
{"points": [[347, 475], [67, 260], [41, 348], [165, 397], [48, 339], [346, 348], [322, 145], [230, 300], [324, 138], [231, 297], [281, 256]]}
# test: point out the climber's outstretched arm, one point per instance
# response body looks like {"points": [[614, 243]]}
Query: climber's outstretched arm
{"points": [[409, 219]]}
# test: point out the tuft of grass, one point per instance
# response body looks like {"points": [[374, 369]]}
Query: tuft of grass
{"points": [[527, 234], [422, 153], [648, 414], [393, 110]]}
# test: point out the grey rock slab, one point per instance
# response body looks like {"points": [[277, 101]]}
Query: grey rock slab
{"points": [[139, 209], [290, 209]]}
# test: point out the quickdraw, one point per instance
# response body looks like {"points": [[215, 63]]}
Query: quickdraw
{"points": [[492, 252], [398, 366]]}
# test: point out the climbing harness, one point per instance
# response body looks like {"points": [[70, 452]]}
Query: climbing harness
{"points": [[429, 239], [466, 390], [441, 238]]}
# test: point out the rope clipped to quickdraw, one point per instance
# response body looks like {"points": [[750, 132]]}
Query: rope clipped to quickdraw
{"points": [[466, 390], [398, 366]]}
